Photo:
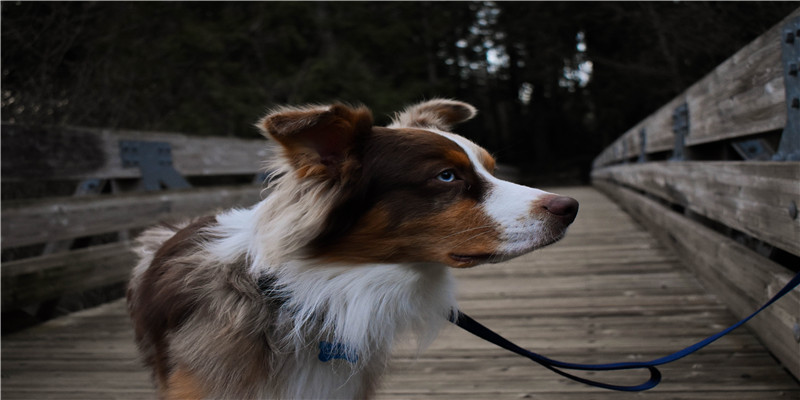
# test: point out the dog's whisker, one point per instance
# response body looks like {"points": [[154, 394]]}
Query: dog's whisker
{"points": [[471, 238], [487, 226]]}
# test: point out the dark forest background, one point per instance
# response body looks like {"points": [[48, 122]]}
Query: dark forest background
{"points": [[554, 82]]}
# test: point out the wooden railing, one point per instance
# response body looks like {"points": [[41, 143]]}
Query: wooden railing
{"points": [[715, 173], [125, 181]]}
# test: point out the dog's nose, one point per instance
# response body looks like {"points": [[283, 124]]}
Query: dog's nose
{"points": [[562, 206]]}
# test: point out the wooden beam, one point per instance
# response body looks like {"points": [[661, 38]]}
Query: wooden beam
{"points": [[753, 197], [33, 280], [742, 279], [35, 153], [27, 222], [744, 95]]}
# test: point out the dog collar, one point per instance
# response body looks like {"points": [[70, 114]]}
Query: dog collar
{"points": [[331, 351], [327, 351]]}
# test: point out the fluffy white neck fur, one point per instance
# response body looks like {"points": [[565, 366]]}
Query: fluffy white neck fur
{"points": [[364, 307]]}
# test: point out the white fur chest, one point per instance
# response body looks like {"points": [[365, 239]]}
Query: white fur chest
{"points": [[362, 309]]}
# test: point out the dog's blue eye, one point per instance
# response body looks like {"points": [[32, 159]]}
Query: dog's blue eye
{"points": [[446, 176]]}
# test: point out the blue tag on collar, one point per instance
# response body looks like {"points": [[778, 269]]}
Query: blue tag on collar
{"points": [[331, 351]]}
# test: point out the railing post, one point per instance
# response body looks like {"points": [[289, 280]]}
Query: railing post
{"points": [[625, 150], [643, 145], [680, 126], [789, 147]]}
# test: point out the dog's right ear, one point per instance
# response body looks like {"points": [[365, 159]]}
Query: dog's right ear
{"points": [[319, 141], [437, 113]]}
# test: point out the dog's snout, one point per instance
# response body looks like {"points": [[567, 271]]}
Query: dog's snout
{"points": [[563, 207]]}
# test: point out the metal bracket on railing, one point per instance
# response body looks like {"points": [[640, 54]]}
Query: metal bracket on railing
{"points": [[625, 153], [789, 147], [754, 149], [642, 145], [89, 186], [680, 126], [154, 160]]}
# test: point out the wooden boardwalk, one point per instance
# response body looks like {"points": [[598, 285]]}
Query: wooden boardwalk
{"points": [[608, 292]]}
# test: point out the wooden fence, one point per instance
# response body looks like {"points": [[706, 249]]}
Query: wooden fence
{"points": [[715, 173], [125, 181]]}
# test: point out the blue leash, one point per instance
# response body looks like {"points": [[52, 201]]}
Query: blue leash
{"points": [[472, 326]]}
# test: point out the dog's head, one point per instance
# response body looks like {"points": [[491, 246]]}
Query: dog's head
{"points": [[412, 191]]}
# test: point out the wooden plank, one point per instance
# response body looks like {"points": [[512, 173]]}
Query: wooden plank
{"points": [[38, 279], [658, 131], [754, 198], [741, 278], [744, 95], [510, 374], [26, 222], [92, 355], [55, 153]]}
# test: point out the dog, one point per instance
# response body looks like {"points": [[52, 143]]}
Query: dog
{"points": [[303, 294]]}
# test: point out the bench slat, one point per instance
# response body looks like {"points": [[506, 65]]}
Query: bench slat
{"points": [[752, 197]]}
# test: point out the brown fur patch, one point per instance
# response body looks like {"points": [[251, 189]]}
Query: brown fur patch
{"points": [[320, 142], [462, 229], [487, 160], [157, 304], [183, 385], [458, 158], [190, 309]]}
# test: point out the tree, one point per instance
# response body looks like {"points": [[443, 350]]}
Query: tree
{"points": [[214, 68]]}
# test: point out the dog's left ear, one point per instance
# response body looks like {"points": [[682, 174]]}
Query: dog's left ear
{"points": [[438, 113], [319, 141]]}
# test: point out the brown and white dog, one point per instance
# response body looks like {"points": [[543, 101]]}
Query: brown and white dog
{"points": [[303, 295]]}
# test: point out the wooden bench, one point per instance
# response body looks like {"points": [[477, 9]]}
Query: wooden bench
{"points": [[126, 180], [715, 173]]}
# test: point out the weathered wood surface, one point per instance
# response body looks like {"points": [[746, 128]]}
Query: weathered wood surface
{"points": [[608, 292], [36, 153], [741, 278], [33, 280], [36, 279], [744, 95], [70, 153], [752, 197], [39, 221]]}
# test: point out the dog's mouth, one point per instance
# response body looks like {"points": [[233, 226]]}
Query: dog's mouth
{"points": [[468, 260]]}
